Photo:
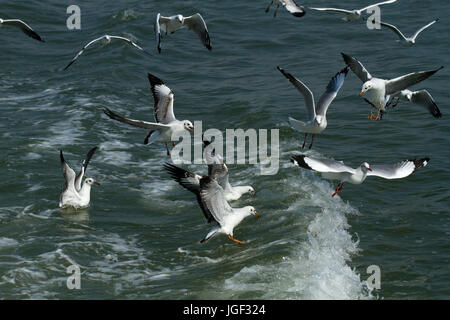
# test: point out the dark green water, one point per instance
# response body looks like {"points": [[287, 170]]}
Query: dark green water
{"points": [[139, 238]]}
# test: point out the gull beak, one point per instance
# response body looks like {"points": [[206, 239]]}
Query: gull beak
{"points": [[369, 169], [96, 183], [252, 193], [256, 214], [191, 129], [361, 93]]}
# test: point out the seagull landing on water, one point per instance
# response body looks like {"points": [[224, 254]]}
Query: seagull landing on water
{"points": [[73, 193], [337, 170], [217, 170], [104, 40], [290, 5], [376, 89], [407, 41], [171, 24], [22, 26], [317, 120], [166, 124], [214, 205], [353, 15], [422, 98]]}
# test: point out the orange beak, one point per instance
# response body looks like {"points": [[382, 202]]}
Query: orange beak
{"points": [[256, 214], [96, 183], [361, 93]]}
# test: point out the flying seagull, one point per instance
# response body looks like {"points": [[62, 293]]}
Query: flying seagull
{"points": [[103, 40], [171, 24], [73, 194], [317, 121], [22, 26], [407, 41], [212, 199], [353, 15], [422, 98], [337, 170], [290, 5], [377, 89], [166, 124]]}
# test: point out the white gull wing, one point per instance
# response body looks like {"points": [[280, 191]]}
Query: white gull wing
{"points": [[129, 41], [357, 67], [333, 10], [305, 91], [82, 50], [212, 195], [135, 123], [398, 170], [198, 25], [423, 28], [69, 175], [293, 8], [79, 177], [377, 4], [403, 82], [331, 92], [22, 26], [321, 165], [163, 97], [400, 35], [424, 99], [160, 26]]}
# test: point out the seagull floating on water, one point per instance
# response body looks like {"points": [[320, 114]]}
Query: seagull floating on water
{"points": [[290, 5], [337, 170], [422, 98], [377, 89], [22, 26], [104, 40], [407, 41], [353, 15], [166, 124], [216, 208], [73, 194], [317, 121], [171, 24]]}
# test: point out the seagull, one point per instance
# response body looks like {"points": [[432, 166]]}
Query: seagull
{"points": [[171, 24], [74, 194], [290, 5], [407, 41], [166, 124], [213, 203], [317, 121], [376, 89], [103, 40], [422, 98], [337, 170], [22, 26], [353, 15], [191, 181]]}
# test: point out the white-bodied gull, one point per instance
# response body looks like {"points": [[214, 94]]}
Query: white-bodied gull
{"points": [[74, 194], [407, 41], [103, 40], [317, 120], [337, 170], [376, 89], [290, 5], [212, 201], [166, 124], [171, 24], [353, 15], [422, 98], [22, 26]]}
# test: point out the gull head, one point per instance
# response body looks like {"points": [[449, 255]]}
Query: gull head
{"points": [[1, 21], [251, 191], [318, 120], [251, 211], [188, 125], [91, 182], [366, 87], [365, 167], [179, 18]]}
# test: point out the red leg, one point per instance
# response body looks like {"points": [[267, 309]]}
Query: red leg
{"points": [[339, 188], [304, 141], [312, 141]]}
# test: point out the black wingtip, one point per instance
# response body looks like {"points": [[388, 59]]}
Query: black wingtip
{"points": [[420, 163], [61, 157], [300, 161], [154, 80]]}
